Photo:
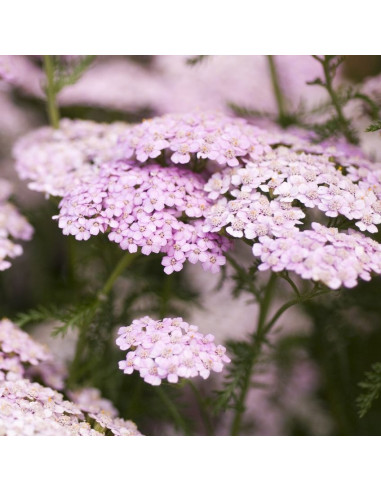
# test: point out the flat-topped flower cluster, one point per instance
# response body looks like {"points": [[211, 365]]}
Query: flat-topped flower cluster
{"points": [[56, 160], [168, 349], [182, 184], [148, 207], [12, 226], [30, 408]]}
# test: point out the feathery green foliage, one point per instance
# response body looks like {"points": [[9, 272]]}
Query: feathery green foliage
{"points": [[374, 127], [371, 387], [241, 363]]}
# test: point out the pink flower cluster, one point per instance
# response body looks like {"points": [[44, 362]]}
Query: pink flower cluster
{"points": [[274, 197], [241, 180], [29, 408], [102, 413], [148, 207], [308, 179], [322, 254], [168, 349], [56, 160], [12, 226], [17, 349], [207, 135]]}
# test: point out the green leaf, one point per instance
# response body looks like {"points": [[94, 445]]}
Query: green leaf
{"points": [[371, 387], [69, 317], [37, 315], [241, 356], [374, 127], [69, 74]]}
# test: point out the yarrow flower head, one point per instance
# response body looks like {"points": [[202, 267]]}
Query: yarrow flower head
{"points": [[151, 208], [18, 350], [29, 408], [102, 413], [272, 199], [168, 349], [182, 138], [12, 226], [182, 184], [55, 160]]}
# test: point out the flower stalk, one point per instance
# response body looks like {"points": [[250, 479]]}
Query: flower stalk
{"points": [[259, 338], [52, 107], [102, 296]]}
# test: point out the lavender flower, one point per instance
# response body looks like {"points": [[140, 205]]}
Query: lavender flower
{"points": [[271, 200], [151, 208], [183, 137], [12, 226], [55, 160], [322, 254], [256, 183], [168, 349], [29, 408], [17, 343], [102, 412]]}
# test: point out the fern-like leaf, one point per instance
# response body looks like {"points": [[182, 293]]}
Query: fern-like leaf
{"points": [[371, 387], [69, 74], [374, 127]]}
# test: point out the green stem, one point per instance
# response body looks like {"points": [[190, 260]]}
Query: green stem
{"points": [[204, 413], [258, 339], [286, 277], [52, 107], [165, 295], [282, 115], [125, 261], [173, 410], [344, 123]]}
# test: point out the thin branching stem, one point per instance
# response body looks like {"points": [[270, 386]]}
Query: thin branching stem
{"points": [[329, 73], [102, 296], [294, 287], [51, 102], [258, 339], [282, 114], [203, 410], [125, 261], [179, 421]]}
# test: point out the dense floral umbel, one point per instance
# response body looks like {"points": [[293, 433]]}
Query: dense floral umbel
{"points": [[148, 207], [147, 190], [55, 160], [272, 199], [12, 226], [168, 349], [322, 254], [29, 408], [17, 350], [102, 413], [205, 135]]}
